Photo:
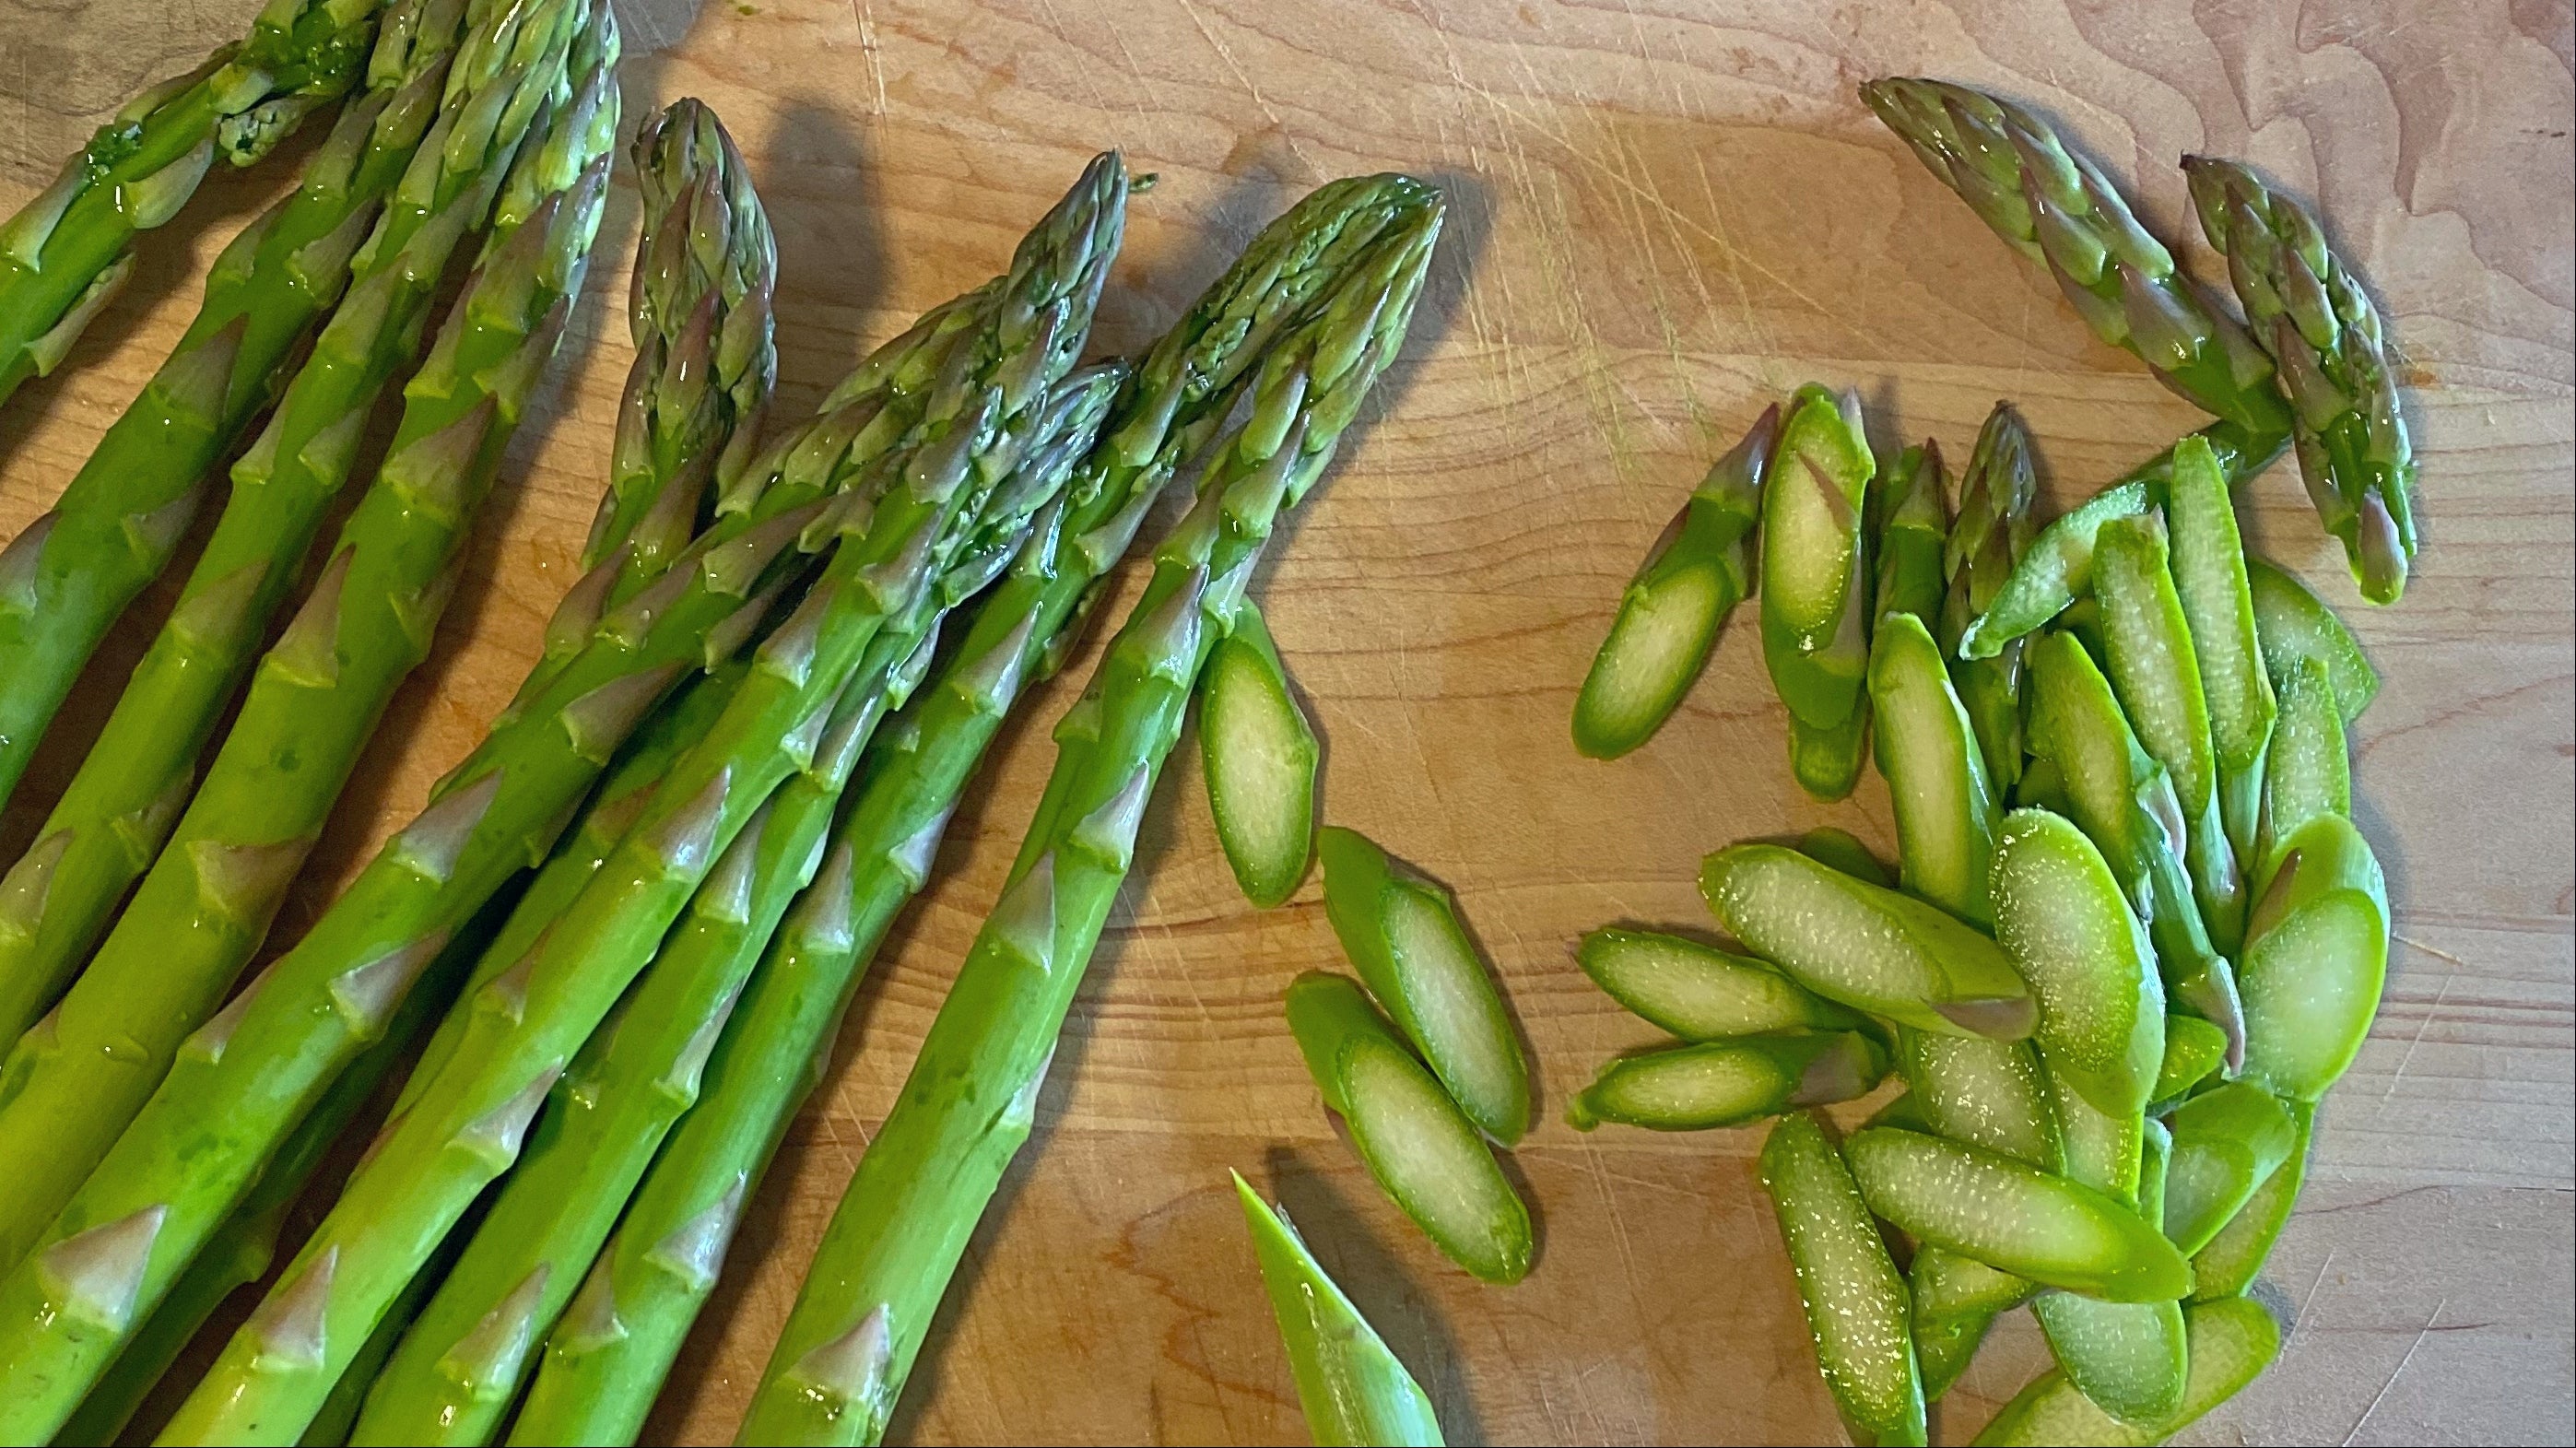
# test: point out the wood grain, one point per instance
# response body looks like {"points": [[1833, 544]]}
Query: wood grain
{"points": [[1664, 213]]}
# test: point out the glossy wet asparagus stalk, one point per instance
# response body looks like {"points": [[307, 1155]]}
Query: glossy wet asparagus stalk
{"points": [[2057, 209], [1260, 758], [606, 1360], [1869, 948], [1988, 533], [1858, 1312], [201, 912], [2230, 1342], [2307, 310], [886, 1259], [68, 251], [1403, 934], [1353, 1388], [452, 1379], [408, 175], [1701, 993], [1727, 1083], [1668, 619], [1816, 577], [1927, 748]]}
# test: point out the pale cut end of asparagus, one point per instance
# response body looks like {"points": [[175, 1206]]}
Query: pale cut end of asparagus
{"points": [[1430, 1159], [2311, 986], [2226, 1144], [1701, 993], [2014, 1217], [1260, 755], [1656, 646], [1983, 1092], [2295, 624], [1449, 990], [2061, 917], [1728, 1083], [1936, 776], [1868, 948], [1843, 850], [2128, 1357], [1858, 1314], [1811, 519], [2227, 1344], [2308, 770]]}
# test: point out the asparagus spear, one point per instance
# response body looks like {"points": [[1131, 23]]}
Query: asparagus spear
{"points": [[451, 1380], [66, 252], [1987, 536], [2316, 956], [2310, 314], [2047, 1228], [1668, 619], [1730, 1082], [2056, 209], [1353, 1388], [1260, 759], [970, 1100], [202, 910], [2230, 1341], [128, 793], [73, 571], [608, 1356]]}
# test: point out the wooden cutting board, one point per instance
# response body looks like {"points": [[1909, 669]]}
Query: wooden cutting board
{"points": [[1662, 215]]}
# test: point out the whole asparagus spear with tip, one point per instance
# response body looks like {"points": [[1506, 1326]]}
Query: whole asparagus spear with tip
{"points": [[466, 1125], [608, 1356], [451, 1380], [67, 252], [2312, 316], [886, 1259], [128, 793], [73, 571], [202, 911]]}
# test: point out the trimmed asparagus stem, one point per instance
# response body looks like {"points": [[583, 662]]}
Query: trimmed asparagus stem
{"points": [[1826, 762], [1403, 934], [1353, 1388], [2306, 309], [1868, 948], [1728, 1083], [1668, 619], [2228, 1266], [2295, 624], [1987, 538], [609, 1355], [1843, 850], [1946, 813], [1815, 558], [2316, 956], [1985, 1093], [1260, 758], [2227, 1142], [2011, 1216], [1858, 1314], [887, 1256], [1701, 993], [203, 909], [2229, 1343], [2210, 580]]}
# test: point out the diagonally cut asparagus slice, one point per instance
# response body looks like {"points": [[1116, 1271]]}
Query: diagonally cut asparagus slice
{"points": [[1728, 1083], [1353, 1388], [1701, 993], [1260, 757], [1857, 1308]]}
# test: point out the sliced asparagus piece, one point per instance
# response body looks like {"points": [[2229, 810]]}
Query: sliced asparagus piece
{"points": [[2295, 624], [1869, 948], [2229, 1343], [2193, 1049], [1826, 762], [2316, 956], [1353, 1387], [1728, 1083], [1908, 529], [1980, 1204], [1260, 757], [1956, 1300], [1946, 812], [2228, 1266], [2061, 917], [2227, 1142], [1693, 577], [1815, 558], [2210, 579], [1403, 934], [1843, 850], [1986, 1093], [1857, 1308], [1987, 538], [1701, 993], [2308, 771], [2129, 1358]]}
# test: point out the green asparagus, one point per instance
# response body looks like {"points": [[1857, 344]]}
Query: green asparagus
{"points": [[1909, 529], [1728, 1083], [2210, 579], [1815, 568], [1701, 993], [1927, 748], [1987, 537], [2229, 1342], [1260, 758], [2295, 624], [1858, 1312], [1353, 1388]]}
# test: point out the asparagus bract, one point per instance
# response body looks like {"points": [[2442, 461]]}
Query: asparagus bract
{"points": [[1353, 1388], [886, 1259]]}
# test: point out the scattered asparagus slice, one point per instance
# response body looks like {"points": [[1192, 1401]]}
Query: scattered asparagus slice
{"points": [[2230, 1342], [66, 252], [1815, 562], [1403, 934], [1956, 1300], [1701, 993], [1424, 1152], [2227, 1142], [2316, 956], [411, 189], [886, 1258], [203, 909], [1260, 758], [1946, 813], [1979, 1204], [1909, 529], [2193, 1049], [1868, 948], [2228, 1266], [2056, 209], [608, 1356], [2295, 624], [1693, 577], [2131, 1359], [1857, 1308], [2209, 575], [1843, 850], [1987, 537], [1986, 1093], [2060, 916], [1728, 1083], [2308, 771], [1826, 762], [1353, 1388], [2307, 310]]}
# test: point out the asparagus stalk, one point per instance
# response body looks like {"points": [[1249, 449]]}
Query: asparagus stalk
{"points": [[2319, 326], [1701, 993], [1728, 1083], [1353, 1388], [885, 1260], [127, 796], [73, 571], [1946, 813], [451, 1379], [1987, 536], [66, 252], [1815, 559], [1260, 758], [1858, 1310], [2227, 1142], [2212, 585], [2230, 1341], [609, 1355], [202, 911], [1844, 851], [1909, 530], [2056, 209], [2295, 624]]}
